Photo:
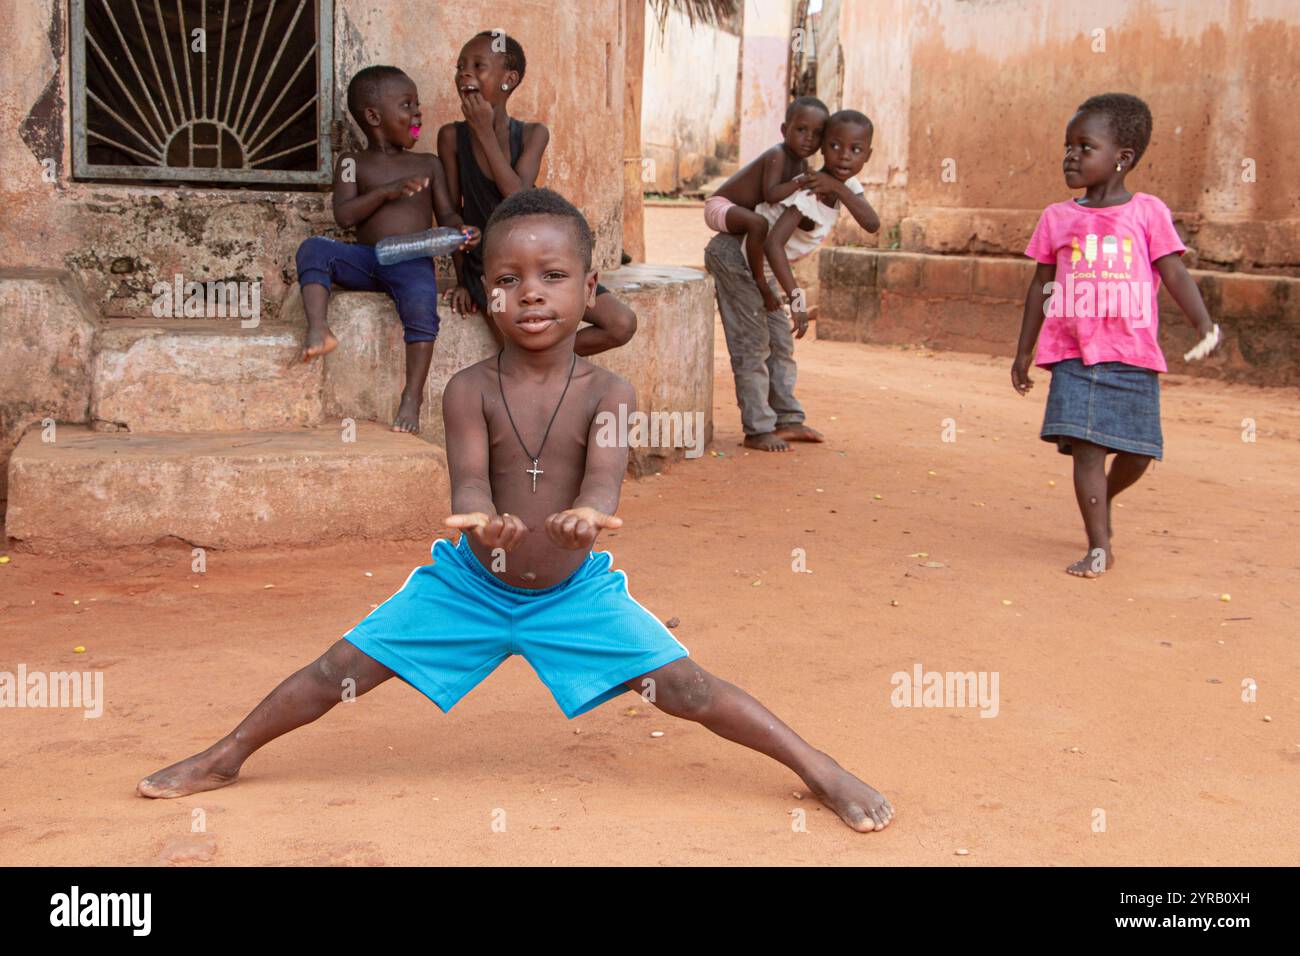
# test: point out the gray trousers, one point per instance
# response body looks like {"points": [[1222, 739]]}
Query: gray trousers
{"points": [[761, 343]]}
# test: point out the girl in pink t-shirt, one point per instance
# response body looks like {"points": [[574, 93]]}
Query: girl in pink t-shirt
{"points": [[1101, 258]]}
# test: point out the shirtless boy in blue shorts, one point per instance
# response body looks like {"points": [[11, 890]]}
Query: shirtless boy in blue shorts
{"points": [[532, 487]]}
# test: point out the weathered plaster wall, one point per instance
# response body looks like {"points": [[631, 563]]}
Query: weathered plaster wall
{"points": [[765, 63], [118, 240], [688, 110], [991, 84], [875, 40], [574, 82]]}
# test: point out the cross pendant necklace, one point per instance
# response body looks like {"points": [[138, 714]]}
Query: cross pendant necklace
{"points": [[534, 471]]}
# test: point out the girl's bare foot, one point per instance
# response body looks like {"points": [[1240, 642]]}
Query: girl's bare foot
{"points": [[408, 416], [767, 441], [1092, 565], [320, 341], [799, 432], [209, 770], [862, 807]]}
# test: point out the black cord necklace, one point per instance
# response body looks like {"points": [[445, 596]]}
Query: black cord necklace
{"points": [[534, 471]]}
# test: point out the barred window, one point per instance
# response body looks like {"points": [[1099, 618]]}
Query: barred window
{"points": [[213, 91]]}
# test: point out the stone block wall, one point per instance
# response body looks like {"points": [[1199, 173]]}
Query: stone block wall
{"points": [[975, 304]]}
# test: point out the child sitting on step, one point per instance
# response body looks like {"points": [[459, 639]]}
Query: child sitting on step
{"points": [[384, 190]]}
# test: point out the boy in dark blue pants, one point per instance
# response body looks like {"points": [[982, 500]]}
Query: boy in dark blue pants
{"points": [[383, 190]]}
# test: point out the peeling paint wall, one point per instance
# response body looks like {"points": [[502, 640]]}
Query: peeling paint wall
{"points": [[990, 85], [119, 239]]}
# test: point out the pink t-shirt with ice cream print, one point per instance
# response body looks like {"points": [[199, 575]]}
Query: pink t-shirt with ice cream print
{"points": [[1103, 308]]}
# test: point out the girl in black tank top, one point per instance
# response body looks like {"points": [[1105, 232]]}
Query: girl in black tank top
{"points": [[488, 70], [479, 196]]}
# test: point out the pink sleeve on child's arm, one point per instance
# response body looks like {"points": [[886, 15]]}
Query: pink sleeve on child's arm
{"points": [[1162, 237], [1041, 247]]}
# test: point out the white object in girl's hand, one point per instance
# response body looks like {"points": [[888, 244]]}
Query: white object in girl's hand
{"points": [[1205, 346]]}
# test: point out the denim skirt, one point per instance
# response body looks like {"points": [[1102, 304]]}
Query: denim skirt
{"points": [[1111, 404]]}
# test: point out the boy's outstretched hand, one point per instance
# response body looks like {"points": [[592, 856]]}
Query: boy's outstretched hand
{"points": [[503, 531], [578, 527], [1020, 379]]}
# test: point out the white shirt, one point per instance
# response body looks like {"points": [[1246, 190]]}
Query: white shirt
{"points": [[804, 241]]}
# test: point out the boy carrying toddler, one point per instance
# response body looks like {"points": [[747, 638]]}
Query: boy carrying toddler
{"points": [[777, 174], [760, 337]]}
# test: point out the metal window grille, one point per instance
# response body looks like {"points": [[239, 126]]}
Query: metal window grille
{"points": [[216, 91]]}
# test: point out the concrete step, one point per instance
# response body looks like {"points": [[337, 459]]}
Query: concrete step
{"points": [[364, 376], [47, 336], [196, 375], [234, 489]]}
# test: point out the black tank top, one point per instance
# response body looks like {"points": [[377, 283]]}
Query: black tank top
{"points": [[478, 192]]}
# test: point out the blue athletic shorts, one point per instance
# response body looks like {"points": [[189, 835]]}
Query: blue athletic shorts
{"points": [[453, 622], [411, 284]]}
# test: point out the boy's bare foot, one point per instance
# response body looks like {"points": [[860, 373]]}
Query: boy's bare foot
{"points": [[319, 342], [767, 441], [209, 770], [408, 416], [860, 806], [1090, 565], [799, 432]]}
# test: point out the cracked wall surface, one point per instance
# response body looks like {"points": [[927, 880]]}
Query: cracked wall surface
{"points": [[119, 239], [989, 86]]}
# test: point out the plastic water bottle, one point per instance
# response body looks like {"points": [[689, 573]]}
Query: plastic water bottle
{"points": [[442, 241]]}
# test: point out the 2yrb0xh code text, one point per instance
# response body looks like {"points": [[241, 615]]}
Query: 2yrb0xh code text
{"points": [[1152, 899]]}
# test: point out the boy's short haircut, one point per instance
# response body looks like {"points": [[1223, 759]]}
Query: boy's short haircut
{"points": [[542, 202], [514, 53], [366, 88], [1129, 118], [853, 117], [803, 102]]}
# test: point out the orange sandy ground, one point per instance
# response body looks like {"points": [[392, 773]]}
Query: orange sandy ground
{"points": [[1141, 671]]}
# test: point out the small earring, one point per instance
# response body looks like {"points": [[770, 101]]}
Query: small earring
{"points": [[1119, 167], [505, 86]]}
